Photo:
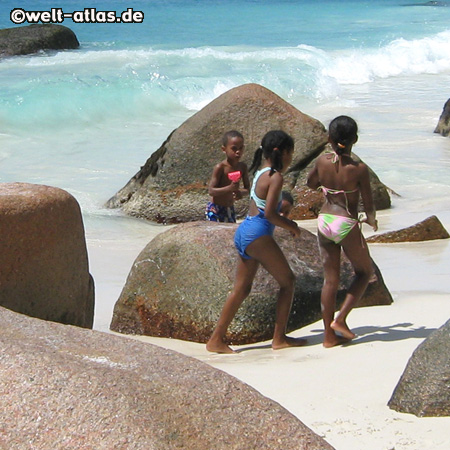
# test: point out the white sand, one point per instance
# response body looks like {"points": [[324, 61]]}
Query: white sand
{"points": [[341, 393]]}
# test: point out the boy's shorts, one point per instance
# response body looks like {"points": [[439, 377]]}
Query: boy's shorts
{"points": [[217, 213]]}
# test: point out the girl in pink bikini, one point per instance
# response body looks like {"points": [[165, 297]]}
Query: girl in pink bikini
{"points": [[343, 181]]}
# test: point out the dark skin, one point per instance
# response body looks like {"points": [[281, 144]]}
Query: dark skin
{"points": [[345, 174], [266, 252], [222, 190]]}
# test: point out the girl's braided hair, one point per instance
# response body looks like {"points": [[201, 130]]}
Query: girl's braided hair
{"points": [[273, 139]]}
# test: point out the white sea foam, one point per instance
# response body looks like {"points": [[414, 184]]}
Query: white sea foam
{"points": [[104, 86], [398, 58], [92, 85]]}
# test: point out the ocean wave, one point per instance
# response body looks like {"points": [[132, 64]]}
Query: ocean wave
{"points": [[401, 56], [90, 86], [398, 58]]}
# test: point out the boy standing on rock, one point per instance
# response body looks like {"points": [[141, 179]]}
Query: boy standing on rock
{"points": [[224, 186]]}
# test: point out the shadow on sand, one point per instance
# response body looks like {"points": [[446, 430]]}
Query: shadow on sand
{"points": [[389, 333], [366, 334]]}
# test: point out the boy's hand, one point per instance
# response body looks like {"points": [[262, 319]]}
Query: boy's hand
{"points": [[237, 195], [233, 187]]}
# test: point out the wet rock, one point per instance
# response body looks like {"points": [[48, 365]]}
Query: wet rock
{"points": [[179, 282], [443, 126], [427, 230], [33, 38]]}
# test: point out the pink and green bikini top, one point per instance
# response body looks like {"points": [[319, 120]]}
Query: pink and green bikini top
{"points": [[327, 191]]}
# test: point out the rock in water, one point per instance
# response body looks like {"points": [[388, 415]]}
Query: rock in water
{"points": [[172, 185], [43, 256], [424, 387], [427, 230], [33, 38], [443, 126]]}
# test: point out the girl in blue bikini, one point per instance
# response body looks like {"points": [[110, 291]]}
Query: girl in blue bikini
{"points": [[342, 180], [255, 244]]}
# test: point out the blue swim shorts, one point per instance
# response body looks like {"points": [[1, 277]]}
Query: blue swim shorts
{"points": [[217, 213]]}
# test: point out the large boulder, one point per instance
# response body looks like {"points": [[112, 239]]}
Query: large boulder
{"points": [[43, 256], [64, 387], [171, 187], [424, 388], [33, 38], [178, 284], [443, 126], [427, 230]]}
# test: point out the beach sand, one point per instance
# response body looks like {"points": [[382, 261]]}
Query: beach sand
{"points": [[342, 393]]}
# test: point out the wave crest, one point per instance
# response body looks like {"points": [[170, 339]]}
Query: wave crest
{"points": [[94, 85]]}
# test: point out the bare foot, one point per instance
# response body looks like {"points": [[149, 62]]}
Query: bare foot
{"points": [[287, 342], [335, 341], [343, 329], [218, 347]]}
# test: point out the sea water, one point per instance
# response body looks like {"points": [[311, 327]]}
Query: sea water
{"points": [[85, 120]]}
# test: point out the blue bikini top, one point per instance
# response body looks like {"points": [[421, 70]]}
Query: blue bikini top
{"points": [[260, 203]]}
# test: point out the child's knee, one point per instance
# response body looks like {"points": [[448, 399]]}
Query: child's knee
{"points": [[246, 289], [365, 272], [288, 281], [331, 282]]}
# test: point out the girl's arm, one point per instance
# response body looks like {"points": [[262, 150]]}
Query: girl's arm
{"points": [[366, 195], [313, 181], [272, 199], [241, 193], [245, 181]]}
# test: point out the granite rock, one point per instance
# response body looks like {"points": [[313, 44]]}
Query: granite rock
{"points": [[65, 387], [427, 230], [43, 255], [29, 39], [443, 126], [171, 187], [179, 282], [424, 387]]}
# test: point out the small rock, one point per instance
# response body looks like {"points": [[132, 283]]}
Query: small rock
{"points": [[427, 230]]}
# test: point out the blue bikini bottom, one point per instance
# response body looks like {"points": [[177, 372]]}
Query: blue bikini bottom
{"points": [[252, 228]]}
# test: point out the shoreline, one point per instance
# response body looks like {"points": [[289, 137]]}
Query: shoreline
{"points": [[340, 393]]}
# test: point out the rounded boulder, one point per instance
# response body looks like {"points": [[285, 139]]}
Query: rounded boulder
{"points": [[43, 255], [179, 282]]}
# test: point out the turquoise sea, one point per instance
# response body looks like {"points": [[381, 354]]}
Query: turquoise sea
{"points": [[86, 120]]}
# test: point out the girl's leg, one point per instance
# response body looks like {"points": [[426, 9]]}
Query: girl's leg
{"points": [[331, 261], [268, 253], [359, 257], [245, 273]]}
